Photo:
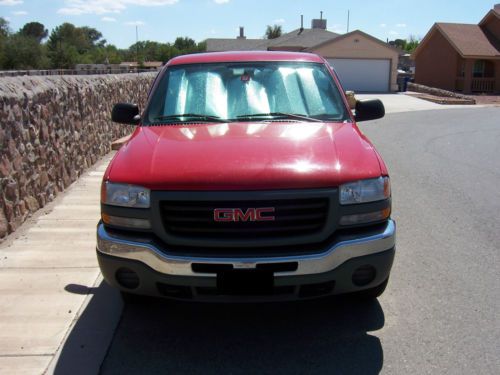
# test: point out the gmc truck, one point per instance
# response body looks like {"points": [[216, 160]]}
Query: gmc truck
{"points": [[246, 179]]}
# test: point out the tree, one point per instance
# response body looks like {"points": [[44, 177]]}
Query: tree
{"points": [[34, 30], [69, 45], [406, 45], [273, 32], [166, 51], [67, 34], [202, 46], [399, 43], [82, 38], [64, 57], [4, 28], [412, 43], [94, 37], [23, 52], [4, 34], [104, 55], [184, 44], [153, 51]]}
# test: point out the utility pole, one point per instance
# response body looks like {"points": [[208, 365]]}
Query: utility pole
{"points": [[137, 46], [348, 11]]}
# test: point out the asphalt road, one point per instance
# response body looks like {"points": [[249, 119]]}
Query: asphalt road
{"points": [[440, 313]]}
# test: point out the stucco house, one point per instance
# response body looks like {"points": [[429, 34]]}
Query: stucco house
{"points": [[363, 63], [461, 57]]}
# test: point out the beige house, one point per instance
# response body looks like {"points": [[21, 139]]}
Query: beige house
{"points": [[363, 63]]}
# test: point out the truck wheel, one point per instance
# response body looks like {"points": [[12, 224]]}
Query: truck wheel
{"points": [[372, 292]]}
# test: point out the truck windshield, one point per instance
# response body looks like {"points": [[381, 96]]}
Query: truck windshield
{"points": [[258, 91]]}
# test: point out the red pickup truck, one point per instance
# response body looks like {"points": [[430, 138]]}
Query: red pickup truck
{"points": [[246, 179]]}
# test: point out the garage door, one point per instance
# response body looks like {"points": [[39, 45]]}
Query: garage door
{"points": [[363, 75]]}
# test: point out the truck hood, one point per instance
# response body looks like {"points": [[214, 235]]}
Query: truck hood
{"points": [[245, 156]]}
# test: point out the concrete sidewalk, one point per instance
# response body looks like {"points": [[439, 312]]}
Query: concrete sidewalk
{"points": [[47, 269], [401, 102]]}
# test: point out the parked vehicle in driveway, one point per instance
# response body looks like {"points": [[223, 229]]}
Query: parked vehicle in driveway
{"points": [[247, 179]]}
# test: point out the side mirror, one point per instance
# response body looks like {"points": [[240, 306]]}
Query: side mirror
{"points": [[125, 113], [370, 109]]}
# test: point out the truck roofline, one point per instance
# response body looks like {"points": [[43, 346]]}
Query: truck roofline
{"points": [[245, 56]]}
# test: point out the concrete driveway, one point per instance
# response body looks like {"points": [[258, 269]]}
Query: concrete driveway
{"points": [[400, 102]]}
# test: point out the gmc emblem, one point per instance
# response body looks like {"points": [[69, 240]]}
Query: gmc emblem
{"points": [[237, 214]]}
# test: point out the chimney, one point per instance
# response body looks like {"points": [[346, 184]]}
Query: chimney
{"points": [[497, 7], [242, 33], [301, 22], [319, 23]]}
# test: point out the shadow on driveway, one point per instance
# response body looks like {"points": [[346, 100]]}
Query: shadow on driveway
{"points": [[315, 337], [87, 343]]}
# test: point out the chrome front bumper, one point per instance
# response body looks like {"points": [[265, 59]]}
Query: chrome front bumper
{"points": [[162, 262]]}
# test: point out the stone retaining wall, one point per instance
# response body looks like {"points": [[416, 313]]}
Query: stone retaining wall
{"points": [[434, 91], [51, 130]]}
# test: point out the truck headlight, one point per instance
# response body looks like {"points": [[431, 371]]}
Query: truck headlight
{"points": [[125, 195], [364, 191]]}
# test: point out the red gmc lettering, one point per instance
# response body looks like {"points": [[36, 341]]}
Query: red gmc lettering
{"points": [[223, 214], [237, 214], [249, 215], [264, 210]]}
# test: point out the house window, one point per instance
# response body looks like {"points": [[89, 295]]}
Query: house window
{"points": [[478, 70]]}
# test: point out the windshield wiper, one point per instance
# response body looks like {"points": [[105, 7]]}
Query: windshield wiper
{"points": [[279, 115], [191, 115]]}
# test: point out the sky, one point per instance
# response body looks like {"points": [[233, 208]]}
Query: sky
{"points": [[164, 20]]}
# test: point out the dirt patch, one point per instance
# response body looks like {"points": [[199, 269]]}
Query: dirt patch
{"points": [[487, 99]]}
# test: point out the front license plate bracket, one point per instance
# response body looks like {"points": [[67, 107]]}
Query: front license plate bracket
{"points": [[245, 282]]}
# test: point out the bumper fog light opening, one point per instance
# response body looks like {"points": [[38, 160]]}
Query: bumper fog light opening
{"points": [[364, 275], [127, 278]]}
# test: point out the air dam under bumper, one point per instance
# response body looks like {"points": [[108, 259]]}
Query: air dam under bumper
{"points": [[147, 270]]}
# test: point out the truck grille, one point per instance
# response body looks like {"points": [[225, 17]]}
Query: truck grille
{"points": [[293, 218]]}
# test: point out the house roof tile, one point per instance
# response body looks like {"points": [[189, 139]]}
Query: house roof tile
{"points": [[219, 45], [307, 38], [470, 40]]}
